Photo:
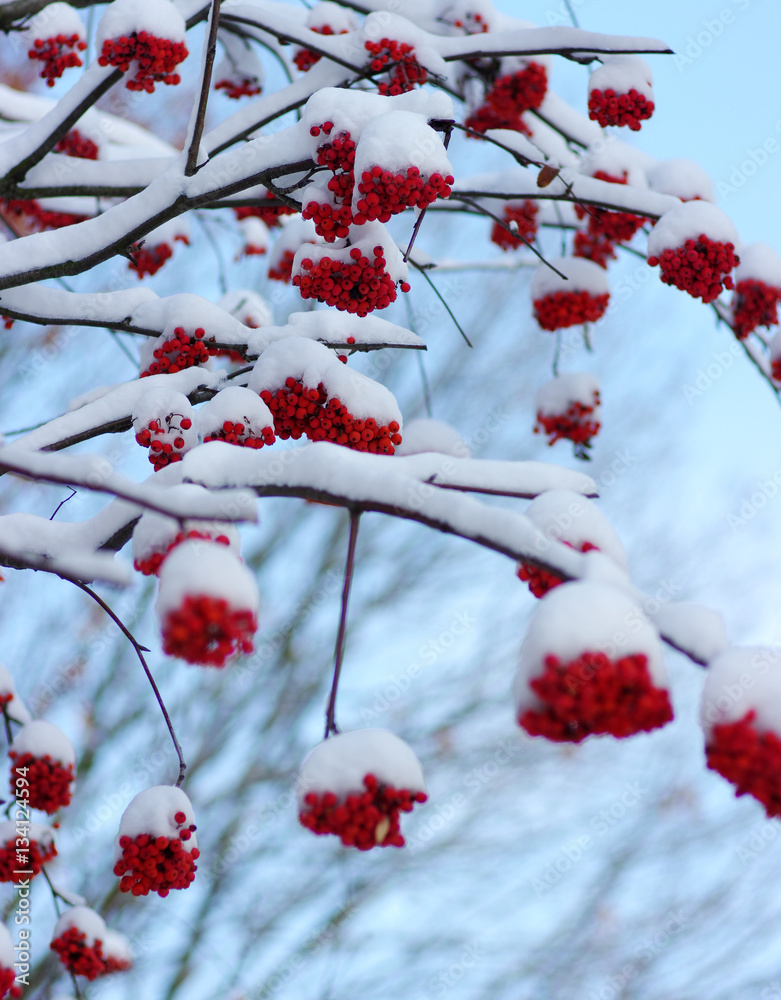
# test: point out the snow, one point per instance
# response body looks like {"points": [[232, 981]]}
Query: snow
{"points": [[580, 617], [683, 178], [7, 956], [556, 396], [622, 74], [235, 404], [158, 17], [160, 404], [248, 307], [760, 262], [15, 708], [739, 680], [581, 276], [396, 141], [90, 923], [196, 568], [352, 110], [570, 517], [689, 221], [38, 832], [41, 739], [190, 312], [337, 18], [153, 811], [312, 363], [155, 532], [618, 159], [117, 946], [427, 435], [240, 62], [255, 234], [55, 19], [340, 763], [696, 630]]}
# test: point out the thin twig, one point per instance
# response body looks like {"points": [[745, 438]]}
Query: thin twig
{"points": [[203, 99], [140, 654], [330, 715], [57, 508], [442, 300]]}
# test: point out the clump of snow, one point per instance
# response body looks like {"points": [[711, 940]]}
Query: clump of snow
{"points": [[255, 234], [153, 811], [339, 764], [55, 19], [581, 276], [338, 19], [41, 739], [90, 923], [740, 680], [682, 178], [688, 222], [235, 404], [425, 434], [14, 706], [617, 159], [196, 568], [397, 140], [156, 532], [38, 832], [7, 956], [556, 396], [312, 364], [759, 262], [580, 617], [240, 63], [695, 629], [622, 74], [248, 307], [117, 947], [156, 17], [569, 517]]}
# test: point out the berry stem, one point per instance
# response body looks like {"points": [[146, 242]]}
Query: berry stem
{"points": [[140, 654], [442, 300], [206, 79], [330, 715]]}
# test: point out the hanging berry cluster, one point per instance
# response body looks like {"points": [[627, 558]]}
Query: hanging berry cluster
{"points": [[593, 694], [384, 193], [154, 59], [578, 423], [270, 214], [700, 267], [355, 285], [167, 436], [150, 564], [333, 218], [51, 781], [242, 87], [522, 219], [57, 54], [73, 143], [749, 758], [281, 267], [559, 310], [20, 863], [236, 415], [398, 59], [509, 98], [78, 955], [364, 820], [542, 580], [755, 304], [611, 108], [207, 630], [157, 864], [8, 985], [305, 59], [177, 353], [605, 228]]}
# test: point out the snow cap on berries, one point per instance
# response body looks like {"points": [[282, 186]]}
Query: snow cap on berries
{"points": [[248, 307], [42, 739], [426, 434], [340, 763], [172, 413], [154, 810], [339, 19], [14, 706], [117, 951], [200, 567], [41, 849], [682, 178], [55, 19], [570, 517], [400, 139], [688, 222], [759, 262], [623, 73], [156, 17], [617, 160], [580, 276], [239, 407], [621, 92], [743, 679], [84, 919], [556, 397], [240, 71], [352, 110]]}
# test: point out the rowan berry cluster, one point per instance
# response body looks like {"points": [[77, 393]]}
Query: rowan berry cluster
{"points": [[77, 956], [163, 436], [611, 108], [18, 863], [73, 143], [179, 352], [208, 631], [50, 781], [748, 758], [57, 54], [364, 819], [559, 310], [148, 260], [403, 68], [150, 565], [270, 214], [522, 219], [157, 864], [542, 580], [700, 267], [306, 412], [241, 434], [333, 220], [356, 285], [605, 228], [578, 424], [305, 59], [509, 97], [8, 987], [245, 87], [385, 193], [154, 58], [282, 268], [755, 304], [594, 694], [37, 217]]}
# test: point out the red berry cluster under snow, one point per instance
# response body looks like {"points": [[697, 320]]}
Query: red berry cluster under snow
{"points": [[577, 424], [542, 580], [611, 108], [168, 432], [57, 54], [157, 864], [594, 694], [8, 986], [605, 228], [79, 957], [73, 143], [398, 58], [176, 353], [755, 304], [522, 218], [748, 758], [150, 566], [243, 87], [562, 309], [384, 193], [333, 217], [300, 411], [305, 59], [20, 863], [237, 416], [50, 781], [281, 269], [236, 432], [509, 97], [207, 630], [700, 267], [355, 285], [35, 217], [155, 59], [270, 214], [364, 819]]}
